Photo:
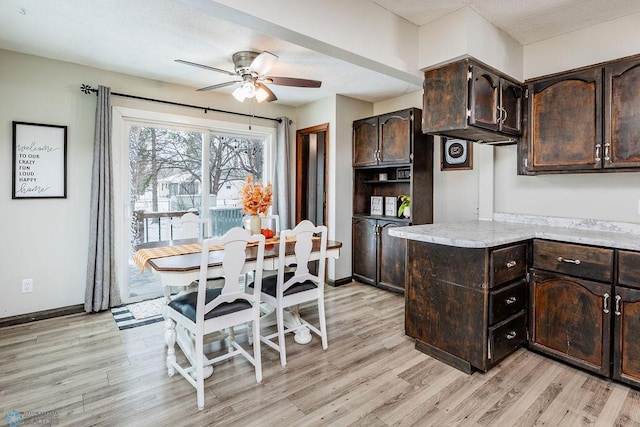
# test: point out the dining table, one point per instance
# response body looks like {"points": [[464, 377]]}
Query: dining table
{"points": [[176, 265]]}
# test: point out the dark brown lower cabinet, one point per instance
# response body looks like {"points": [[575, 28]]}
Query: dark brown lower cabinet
{"points": [[378, 258], [570, 319], [626, 350], [457, 311]]}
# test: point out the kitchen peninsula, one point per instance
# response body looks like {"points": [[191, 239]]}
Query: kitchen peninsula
{"points": [[568, 288]]}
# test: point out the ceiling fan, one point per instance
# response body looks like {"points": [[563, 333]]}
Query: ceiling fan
{"points": [[250, 73]]}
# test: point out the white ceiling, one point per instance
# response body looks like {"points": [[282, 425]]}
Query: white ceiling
{"points": [[143, 37]]}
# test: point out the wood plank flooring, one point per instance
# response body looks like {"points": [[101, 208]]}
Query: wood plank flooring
{"points": [[80, 370]]}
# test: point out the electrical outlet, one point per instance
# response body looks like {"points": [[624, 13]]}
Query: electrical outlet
{"points": [[27, 285]]}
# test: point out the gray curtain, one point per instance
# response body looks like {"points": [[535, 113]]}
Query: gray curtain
{"points": [[102, 290], [282, 193]]}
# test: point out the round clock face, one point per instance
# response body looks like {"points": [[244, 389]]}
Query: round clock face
{"points": [[456, 152]]}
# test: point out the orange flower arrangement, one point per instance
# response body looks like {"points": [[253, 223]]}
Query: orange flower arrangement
{"points": [[256, 198]]}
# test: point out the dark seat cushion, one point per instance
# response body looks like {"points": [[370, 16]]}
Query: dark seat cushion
{"points": [[186, 305], [269, 284]]}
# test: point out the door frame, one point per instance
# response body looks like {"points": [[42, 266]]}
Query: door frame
{"points": [[300, 165]]}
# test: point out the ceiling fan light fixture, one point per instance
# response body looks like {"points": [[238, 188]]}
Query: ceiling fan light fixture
{"points": [[239, 94], [261, 94]]}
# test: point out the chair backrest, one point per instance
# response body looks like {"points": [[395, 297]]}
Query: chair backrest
{"points": [[235, 243], [193, 227], [306, 236], [271, 222]]}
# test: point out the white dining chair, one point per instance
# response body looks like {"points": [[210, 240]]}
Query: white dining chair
{"points": [[288, 289], [192, 226], [211, 310], [271, 222]]}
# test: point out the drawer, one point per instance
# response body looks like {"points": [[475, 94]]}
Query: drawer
{"points": [[575, 260], [507, 301], [507, 336], [508, 264], [629, 269]]}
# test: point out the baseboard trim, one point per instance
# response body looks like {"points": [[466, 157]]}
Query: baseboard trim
{"points": [[41, 315], [340, 282]]}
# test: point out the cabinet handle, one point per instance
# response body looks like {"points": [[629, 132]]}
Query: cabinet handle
{"points": [[504, 119], [605, 304], [499, 118], [606, 151], [511, 335], [598, 152], [570, 261], [510, 300], [617, 312], [511, 264]]}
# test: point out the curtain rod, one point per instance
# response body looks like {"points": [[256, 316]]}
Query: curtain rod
{"points": [[88, 90]]}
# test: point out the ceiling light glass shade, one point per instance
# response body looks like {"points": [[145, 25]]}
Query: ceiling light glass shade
{"points": [[261, 94], [247, 90]]}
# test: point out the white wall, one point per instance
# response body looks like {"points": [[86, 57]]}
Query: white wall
{"points": [[599, 43], [47, 240], [464, 33]]}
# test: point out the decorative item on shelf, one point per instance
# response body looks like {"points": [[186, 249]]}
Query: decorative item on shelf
{"points": [[403, 173], [256, 199], [382, 177], [376, 205], [456, 154], [390, 206], [405, 206]]}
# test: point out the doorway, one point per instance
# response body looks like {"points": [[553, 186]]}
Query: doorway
{"points": [[311, 176]]}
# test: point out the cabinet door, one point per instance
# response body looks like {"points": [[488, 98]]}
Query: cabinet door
{"points": [[626, 351], [622, 110], [364, 250], [511, 107], [484, 95], [365, 141], [394, 132], [565, 126], [570, 320], [391, 257]]}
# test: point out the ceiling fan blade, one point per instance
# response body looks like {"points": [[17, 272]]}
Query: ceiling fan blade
{"points": [[272, 96], [263, 63], [290, 81], [218, 86], [206, 67]]}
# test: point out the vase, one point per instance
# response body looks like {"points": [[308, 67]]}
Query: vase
{"points": [[253, 223]]}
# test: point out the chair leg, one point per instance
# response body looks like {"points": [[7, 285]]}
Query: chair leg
{"points": [[199, 359], [323, 324], [281, 344], [232, 339], [170, 340], [257, 356]]}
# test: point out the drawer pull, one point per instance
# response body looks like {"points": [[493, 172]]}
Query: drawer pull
{"points": [[617, 312], [605, 304], [511, 335], [511, 264], [570, 261], [510, 300]]}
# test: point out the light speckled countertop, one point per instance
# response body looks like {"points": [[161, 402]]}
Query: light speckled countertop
{"points": [[510, 228]]}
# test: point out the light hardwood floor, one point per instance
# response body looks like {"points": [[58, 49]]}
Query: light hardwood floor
{"points": [[88, 372]]}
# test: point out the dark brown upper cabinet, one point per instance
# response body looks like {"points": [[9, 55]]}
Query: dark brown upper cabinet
{"points": [[385, 139], [622, 113], [496, 102], [583, 121], [469, 100]]}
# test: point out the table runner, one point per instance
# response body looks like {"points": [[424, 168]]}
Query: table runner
{"points": [[144, 255]]}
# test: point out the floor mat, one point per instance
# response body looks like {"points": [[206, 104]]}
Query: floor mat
{"points": [[138, 314]]}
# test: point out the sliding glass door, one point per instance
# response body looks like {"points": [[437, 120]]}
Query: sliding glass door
{"points": [[175, 169]]}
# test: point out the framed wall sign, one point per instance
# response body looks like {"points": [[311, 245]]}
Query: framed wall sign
{"points": [[39, 161], [376, 205], [391, 206], [456, 154]]}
